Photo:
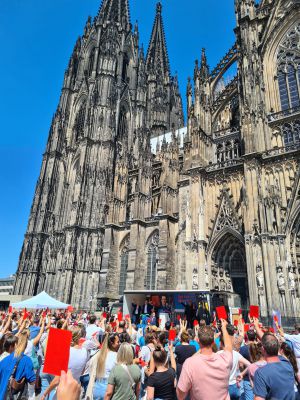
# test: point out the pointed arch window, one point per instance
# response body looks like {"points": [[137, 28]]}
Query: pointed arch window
{"points": [[288, 67], [152, 261], [123, 265], [79, 122]]}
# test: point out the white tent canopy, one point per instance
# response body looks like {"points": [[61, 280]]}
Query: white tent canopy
{"points": [[40, 301]]}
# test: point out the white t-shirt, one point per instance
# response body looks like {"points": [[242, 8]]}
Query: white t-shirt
{"points": [[91, 330], [235, 370], [77, 361], [295, 339], [111, 361]]}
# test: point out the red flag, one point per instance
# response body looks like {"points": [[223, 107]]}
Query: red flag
{"points": [[57, 351], [254, 311], [221, 312], [172, 335], [195, 323]]}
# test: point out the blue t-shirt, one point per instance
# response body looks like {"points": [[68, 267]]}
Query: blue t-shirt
{"points": [[275, 381], [244, 351], [195, 344], [24, 370]]}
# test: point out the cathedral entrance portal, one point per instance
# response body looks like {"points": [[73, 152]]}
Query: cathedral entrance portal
{"points": [[229, 271]]}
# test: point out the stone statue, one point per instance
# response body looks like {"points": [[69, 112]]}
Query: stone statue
{"points": [[280, 280], [222, 285], [259, 277], [291, 276]]}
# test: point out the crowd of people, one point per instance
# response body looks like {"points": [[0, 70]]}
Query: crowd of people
{"points": [[114, 358]]}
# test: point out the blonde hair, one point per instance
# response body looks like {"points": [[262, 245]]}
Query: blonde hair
{"points": [[100, 371], [76, 335], [22, 343], [125, 354]]}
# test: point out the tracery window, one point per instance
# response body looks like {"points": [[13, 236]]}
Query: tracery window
{"points": [[152, 261], [288, 65], [79, 122], [291, 132]]}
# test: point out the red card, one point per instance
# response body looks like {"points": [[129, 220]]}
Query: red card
{"points": [[25, 314], [178, 317], [104, 315], [235, 322], [127, 316], [3, 316], [142, 362], [254, 311], [70, 309], [113, 324], [120, 316], [271, 329], [195, 323], [44, 315], [57, 351], [275, 318], [246, 327], [172, 335], [10, 309], [240, 311], [221, 312]]}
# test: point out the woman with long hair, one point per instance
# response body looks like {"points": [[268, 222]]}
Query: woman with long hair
{"points": [[162, 382], [287, 352], [19, 368], [124, 379], [101, 365]]}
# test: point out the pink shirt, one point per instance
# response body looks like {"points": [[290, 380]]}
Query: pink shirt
{"points": [[206, 377]]}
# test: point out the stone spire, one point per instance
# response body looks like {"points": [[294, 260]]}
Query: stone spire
{"points": [[157, 56], [204, 69], [115, 11]]}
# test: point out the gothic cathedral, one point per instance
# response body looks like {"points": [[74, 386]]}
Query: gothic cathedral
{"points": [[126, 199]]}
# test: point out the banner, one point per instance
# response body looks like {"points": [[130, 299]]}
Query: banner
{"points": [[183, 298]]}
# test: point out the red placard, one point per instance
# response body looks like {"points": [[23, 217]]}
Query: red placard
{"points": [[70, 309], [195, 323], [221, 312], [254, 311], [246, 327], [104, 315], [172, 335], [120, 316], [57, 351], [235, 322], [25, 314]]}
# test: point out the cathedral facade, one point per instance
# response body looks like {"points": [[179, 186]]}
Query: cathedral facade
{"points": [[218, 211]]}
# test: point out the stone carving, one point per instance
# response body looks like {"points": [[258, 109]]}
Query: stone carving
{"points": [[280, 280]]}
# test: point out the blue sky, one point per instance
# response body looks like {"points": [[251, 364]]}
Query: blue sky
{"points": [[37, 38]]}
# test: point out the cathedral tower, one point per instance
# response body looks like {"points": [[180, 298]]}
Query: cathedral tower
{"points": [[100, 132]]}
